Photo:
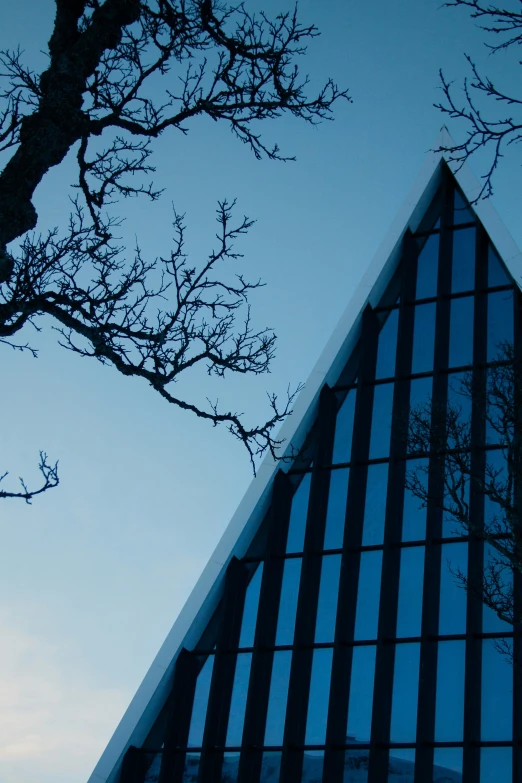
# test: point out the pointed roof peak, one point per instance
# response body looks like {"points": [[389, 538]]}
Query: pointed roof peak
{"points": [[151, 696]]}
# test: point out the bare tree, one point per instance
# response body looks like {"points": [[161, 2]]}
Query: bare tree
{"points": [[491, 115], [147, 318], [445, 437]]}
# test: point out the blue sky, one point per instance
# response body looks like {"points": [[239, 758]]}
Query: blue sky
{"points": [[94, 573]]}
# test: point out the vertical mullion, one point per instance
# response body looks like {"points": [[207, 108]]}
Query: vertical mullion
{"points": [[345, 624], [432, 558], [301, 668], [385, 657], [262, 658], [473, 661], [223, 673], [517, 638], [178, 724]]}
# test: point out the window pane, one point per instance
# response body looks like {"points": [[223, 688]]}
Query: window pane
{"points": [[405, 693], [319, 695], [500, 322], [288, 603], [463, 263], [344, 429], [420, 391], [497, 272], [414, 515], [356, 764], [199, 707], [375, 505], [230, 769], [361, 694], [297, 525], [336, 511], [313, 761], [248, 623], [409, 614], [401, 765], [423, 338], [328, 595], [458, 396], [271, 767], [449, 710], [461, 212], [491, 622], [190, 772], [381, 421], [275, 721], [387, 346], [496, 765], [427, 268], [236, 716], [497, 693], [367, 613], [447, 765], [461, 332], [453, 598]]}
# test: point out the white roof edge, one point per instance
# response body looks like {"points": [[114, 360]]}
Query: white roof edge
{"points": [[153, 691]]}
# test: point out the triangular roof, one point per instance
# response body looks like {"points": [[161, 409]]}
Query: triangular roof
{"points": [[202, 602]]}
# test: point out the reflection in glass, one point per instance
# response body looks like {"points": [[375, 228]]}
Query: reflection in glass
{"points": [[497, 692], [313, 761], [288, 602], [447, 765], [236, 716], [401, 765], [451, 526], [200, 704], [328, 595], [462, 212], [375, 504], [297, 524], [230, 769], [491, 622], [271, 767], [420, 391], [191, 769], [427, 268], [496, 765], [449, 709], [344, 429], [275, 720], [463, 263], [361, 694], [356, 764], [461, 332], [336, 510], [414, 515], [405, 693], [367, 613], [409, 612], [500, 322], [423, 338], [319, 696], [458, 398], [248, 623], [381, 420], [497, 273], [387, 346], [453, 598]]}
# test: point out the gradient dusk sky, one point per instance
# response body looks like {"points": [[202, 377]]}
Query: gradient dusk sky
{"points": [[94, 573]]}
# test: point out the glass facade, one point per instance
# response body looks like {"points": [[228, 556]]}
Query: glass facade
{"points": [[344, 649]]}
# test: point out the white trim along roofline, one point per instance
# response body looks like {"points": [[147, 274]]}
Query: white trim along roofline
{"points": [[193, 618]]}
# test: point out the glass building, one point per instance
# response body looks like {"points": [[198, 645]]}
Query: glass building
{"points": [[334, 643]]}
